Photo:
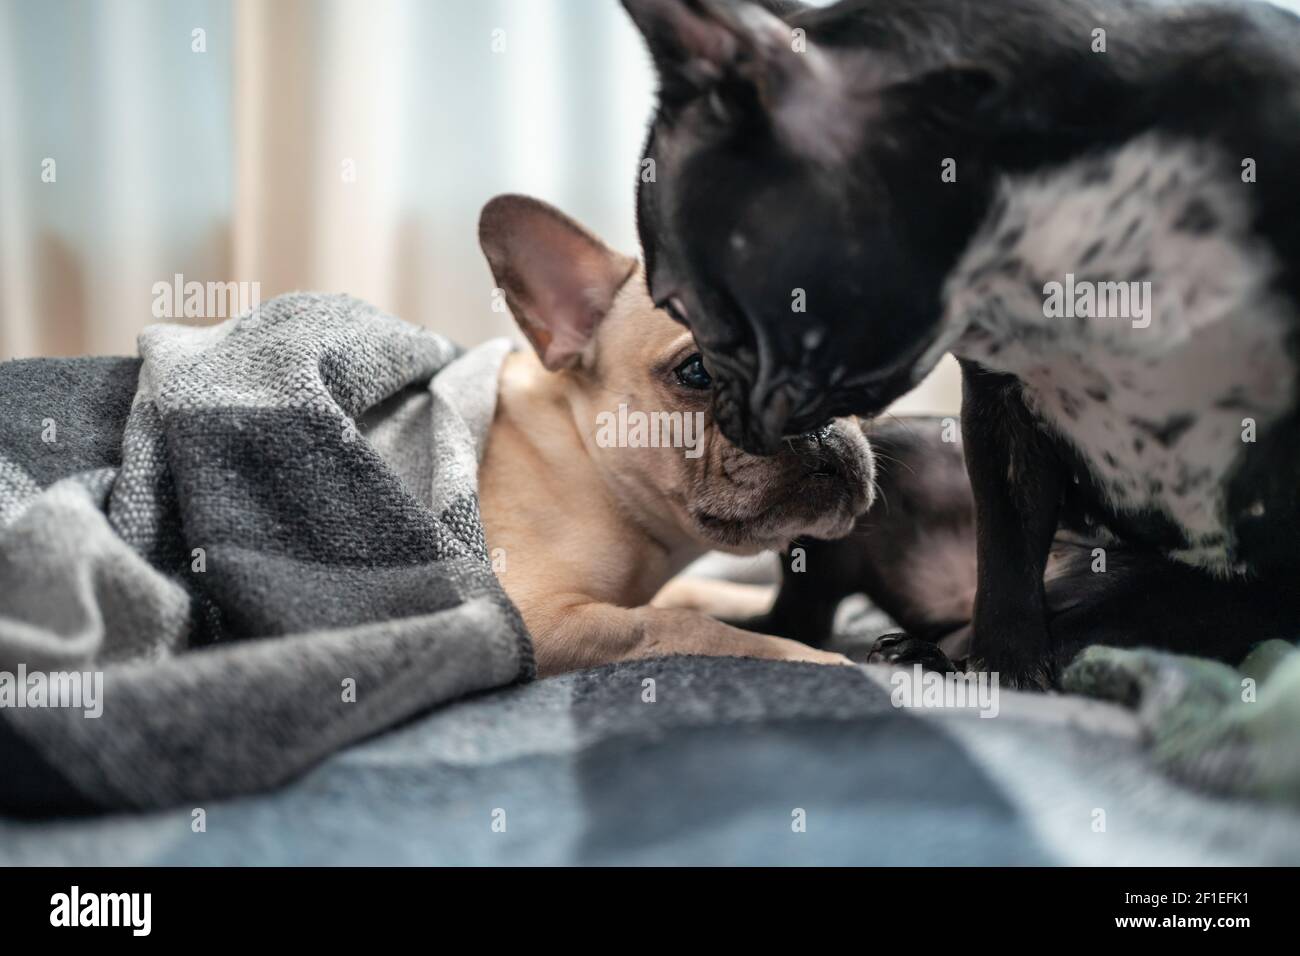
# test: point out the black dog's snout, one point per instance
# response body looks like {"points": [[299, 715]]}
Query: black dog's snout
{"points": [[815, 440], [819, 455], [764, 422]]}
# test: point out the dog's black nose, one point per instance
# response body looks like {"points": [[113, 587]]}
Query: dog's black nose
{"points": [[814, 440], [819, 454]]}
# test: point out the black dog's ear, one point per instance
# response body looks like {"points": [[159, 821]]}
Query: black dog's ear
{"points": [[696, 44], [690, 47], [745, 55], [559, 280], [817, 101]]}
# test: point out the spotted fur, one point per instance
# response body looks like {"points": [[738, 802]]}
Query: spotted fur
{"points": [[1156, 414]]}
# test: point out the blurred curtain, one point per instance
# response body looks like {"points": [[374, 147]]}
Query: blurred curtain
{"points": [[115, 166], [342, 145], [370, 134]]}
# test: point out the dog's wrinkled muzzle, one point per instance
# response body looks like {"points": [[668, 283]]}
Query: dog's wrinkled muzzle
{"points": [[760, 422]]}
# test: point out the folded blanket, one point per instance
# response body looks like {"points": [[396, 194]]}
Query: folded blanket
{"points": [[253, 545]]}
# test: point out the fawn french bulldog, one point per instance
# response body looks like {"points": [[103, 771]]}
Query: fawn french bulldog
{"points": [[604, 474]]}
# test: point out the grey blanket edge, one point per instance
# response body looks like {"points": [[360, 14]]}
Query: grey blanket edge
{"points": [[238, 578]]}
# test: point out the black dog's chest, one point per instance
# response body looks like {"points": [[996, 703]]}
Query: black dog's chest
{"points": [[1153, 446], [1160, 385]]}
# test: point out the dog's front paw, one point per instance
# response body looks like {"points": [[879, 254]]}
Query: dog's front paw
{"points": [[794, 651], [902, 650]]}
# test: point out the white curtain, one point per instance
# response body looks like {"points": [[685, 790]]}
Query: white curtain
{"points": [[342, 145], [432, 108], [114, 166]]}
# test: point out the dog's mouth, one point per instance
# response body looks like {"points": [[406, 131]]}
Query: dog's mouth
{"points": [[816, 488], [822, 506]]}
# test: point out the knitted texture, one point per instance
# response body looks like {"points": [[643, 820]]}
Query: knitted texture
{"points": [[211, 529]]}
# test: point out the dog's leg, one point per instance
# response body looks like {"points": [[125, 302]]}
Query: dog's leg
{"points": [[1144, 600], [917, 545], [670, 631], [575, 636], [725, 600], [814, 579], [912, 554], [1016, 481]]}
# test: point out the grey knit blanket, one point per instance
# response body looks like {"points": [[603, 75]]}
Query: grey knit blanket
{"points": [[251, 546]]}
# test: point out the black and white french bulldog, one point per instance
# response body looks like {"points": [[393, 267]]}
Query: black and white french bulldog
{"points": [[1093, 204]]}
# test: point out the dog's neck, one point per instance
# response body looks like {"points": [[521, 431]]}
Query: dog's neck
{"points": [[1081, 103], [1040, 143], [560, 522]]}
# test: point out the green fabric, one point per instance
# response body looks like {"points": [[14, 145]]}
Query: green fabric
{"points": [[1234, 732]]}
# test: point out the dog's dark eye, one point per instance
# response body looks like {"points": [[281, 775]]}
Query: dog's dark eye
{"points": [[692, 373]]}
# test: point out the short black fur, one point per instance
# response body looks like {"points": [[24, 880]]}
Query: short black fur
{"points": [[814, 174]]}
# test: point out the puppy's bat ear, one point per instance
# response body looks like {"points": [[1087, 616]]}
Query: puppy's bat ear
{"points": [[559, 280]]}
